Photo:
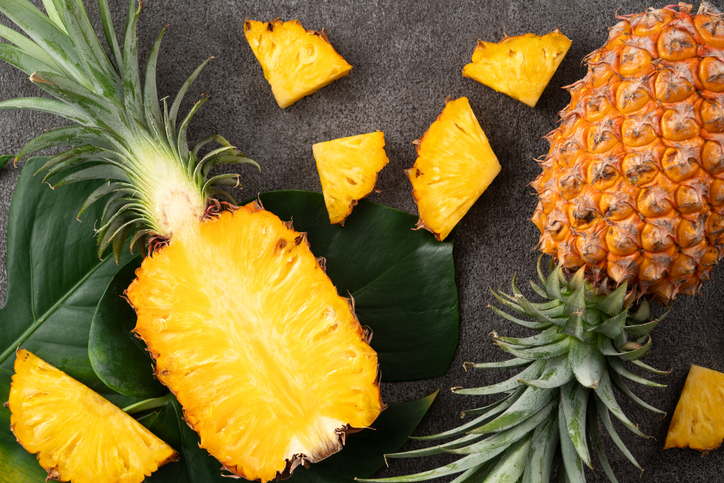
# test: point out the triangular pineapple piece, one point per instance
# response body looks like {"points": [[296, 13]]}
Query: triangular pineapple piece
{"points": [[455, 165], [519, 66], [296, 62], [270, 364], [77, 434], [348, 170], [698, 420]]}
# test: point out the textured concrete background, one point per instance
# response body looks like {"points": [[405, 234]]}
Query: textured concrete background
{"points": [[407, 57]]}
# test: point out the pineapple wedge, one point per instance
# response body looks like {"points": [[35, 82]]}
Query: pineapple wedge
{"points": [[296, 62], [77, 434], [698, 420], [348, 170], [519, 66], [455, 165]]}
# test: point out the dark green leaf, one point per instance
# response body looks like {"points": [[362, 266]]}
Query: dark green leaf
{"points": [[402, 281], [4, 160]]}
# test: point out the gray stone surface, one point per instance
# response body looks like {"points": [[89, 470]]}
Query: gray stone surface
{"points": [[407, 57]]}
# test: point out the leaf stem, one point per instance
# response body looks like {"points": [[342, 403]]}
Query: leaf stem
{"points": [[147, 404]]}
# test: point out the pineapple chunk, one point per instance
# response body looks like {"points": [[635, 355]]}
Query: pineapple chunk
{"points": [[455, 165], [348, 170], [77, 434], [519, 66], [270, 364], [296, 62], [698, 420]]}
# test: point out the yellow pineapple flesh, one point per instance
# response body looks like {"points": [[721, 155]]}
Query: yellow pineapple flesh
{"points": [[77, 434], [296, 62], [455, 164], [270, 364], [519, 66], [348, 170], [633, 184], [698, 420]]}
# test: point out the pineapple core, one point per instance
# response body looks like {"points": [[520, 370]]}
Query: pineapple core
{"points": [[698, 420], [270, 364], [454, 166], [296, 62], [519, 66], [348, 170], [77, 434]]}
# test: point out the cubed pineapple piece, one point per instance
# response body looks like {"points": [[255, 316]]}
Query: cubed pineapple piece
{"points": [[296, 62], [77, 434], [698, 420], [519, 66], [348, 170], [455, 165]]}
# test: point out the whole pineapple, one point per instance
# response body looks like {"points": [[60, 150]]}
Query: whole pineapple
{"points": [[633, 185]]}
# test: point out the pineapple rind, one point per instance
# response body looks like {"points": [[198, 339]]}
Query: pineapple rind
{"points": [[519, 66], [296, 62], [348, 169], [698, 420], [77, 434], [455, 165], [269, 363]]}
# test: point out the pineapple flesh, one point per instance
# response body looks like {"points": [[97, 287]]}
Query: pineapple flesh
{"points": [[633, 185], [77, 434], [455, 164], [348, 170], [296, 62], [270, 364], [519, 66], [698, 420]]}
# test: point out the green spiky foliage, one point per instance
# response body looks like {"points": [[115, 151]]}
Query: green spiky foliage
{"points": [[121, 134], [552, 412]]}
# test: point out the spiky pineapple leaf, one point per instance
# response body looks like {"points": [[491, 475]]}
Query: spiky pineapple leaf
{"points": [[54, 282], [361, 456], [402, 281]]}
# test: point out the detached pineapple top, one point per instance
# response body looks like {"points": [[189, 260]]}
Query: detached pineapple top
{"points": [[633, 185]]}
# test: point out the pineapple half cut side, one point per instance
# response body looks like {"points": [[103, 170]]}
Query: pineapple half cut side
{"points": [[455, 165], [348, 169], [519, 66], [77, 434], [270, 364], [296, 62]]}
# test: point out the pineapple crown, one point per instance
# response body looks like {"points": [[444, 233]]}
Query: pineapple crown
{"points": [[122, 134], [550, 411]]}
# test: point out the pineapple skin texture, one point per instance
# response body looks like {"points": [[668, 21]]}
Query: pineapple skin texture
{"points": [[348, 169], [77, 434], [270, 364], [296, 62], [698, 420], [519, 66], [455, 165], [633, 185]]}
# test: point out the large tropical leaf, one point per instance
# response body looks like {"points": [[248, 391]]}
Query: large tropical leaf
{"points": [[55, 280]]}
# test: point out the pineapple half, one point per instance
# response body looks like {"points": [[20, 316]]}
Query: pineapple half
{"points": [[698, 420], [348, 170], [269, 363], [519, 66], [296, 62], [77, 434], [455, 165]]}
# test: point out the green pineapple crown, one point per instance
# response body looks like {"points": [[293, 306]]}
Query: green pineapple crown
{"points": [[121, 135], [550, 411]]}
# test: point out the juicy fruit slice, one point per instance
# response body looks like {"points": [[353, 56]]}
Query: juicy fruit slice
{"points": [[519, 66], [348, 170], [698, 420], [77, 434], [296, 62], [269, 363], [455, 165]]}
